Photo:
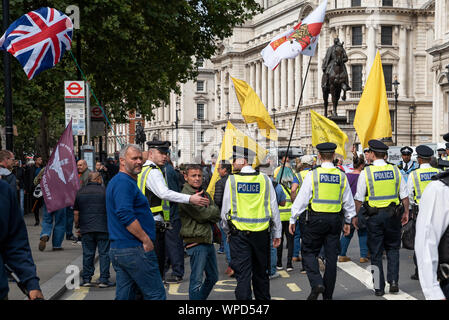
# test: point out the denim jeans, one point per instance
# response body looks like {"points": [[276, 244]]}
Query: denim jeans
{"points": [[225, 242], [273, 258], [297, 240], [202, 260], [58, 228], [91, 241], [22, 201], [345, 240], [69, 222], [136, 268]]}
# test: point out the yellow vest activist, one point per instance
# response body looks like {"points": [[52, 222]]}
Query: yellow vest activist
{"points": [[421, 178], [157, 206], [250, 202], [383, 185], [328, 185]]}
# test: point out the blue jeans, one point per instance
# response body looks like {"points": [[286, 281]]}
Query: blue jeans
{"points": [[22, 201], [58, 228], [69, 222], [224, 240], [273, 258], [297, 240], [345, 240], [136, 268], [91, 241], [202, 260]]}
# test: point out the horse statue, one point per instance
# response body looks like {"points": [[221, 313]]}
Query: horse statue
{"points": [[335, 76], [140, 135]]}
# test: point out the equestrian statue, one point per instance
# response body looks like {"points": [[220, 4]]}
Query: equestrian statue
{"points": [[335, 76]]}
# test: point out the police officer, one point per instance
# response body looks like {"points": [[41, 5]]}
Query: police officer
{"points": [[325, 192], [432, 239], [249, 204], [417, 182], [152, 183], [406, 165], [385, 188]]}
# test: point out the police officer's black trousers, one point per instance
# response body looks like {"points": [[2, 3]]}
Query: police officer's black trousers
{"points": [[174, 249], [159, 247], [290, 239], [323, 229], [250, 260], [384, 233]]}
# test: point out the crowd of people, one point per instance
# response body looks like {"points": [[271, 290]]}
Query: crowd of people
{"points": [[145, 216]]}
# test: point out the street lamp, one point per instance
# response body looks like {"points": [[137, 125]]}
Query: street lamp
{"points": [[274, 116], [396, 84], [177, 131], [411, 110]]}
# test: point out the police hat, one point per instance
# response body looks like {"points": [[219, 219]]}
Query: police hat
{"points": [[365, 150], [424, 151], [162, 146], [447, 145], [406, 150], [377, 146], [242, 152], [446, 137], [441, 150], [326, 147]]}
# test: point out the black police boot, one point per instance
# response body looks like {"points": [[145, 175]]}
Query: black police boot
{"points": [[394, 287], [316, 292], [414, 276]]}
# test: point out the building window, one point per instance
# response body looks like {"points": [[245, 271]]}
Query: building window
{"points": [[357, 36], [356, 77], [386, 35], [356, 3], [387, 3], [200, 136], [200, 62], [388, 75], [200, 86], [200, 111]]}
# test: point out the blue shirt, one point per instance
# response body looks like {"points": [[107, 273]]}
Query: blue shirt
{"points": [[280, 194], [125, 203]]}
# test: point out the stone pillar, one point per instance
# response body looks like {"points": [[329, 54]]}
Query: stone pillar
{"points": [[283, 83], [258, 79], [252, 74], [264, 79], [277, 87], [371, 44], [291, 83], [270, 96], [298, 78], [402, 67]]}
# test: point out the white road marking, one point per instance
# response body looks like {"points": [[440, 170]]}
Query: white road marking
{"points": [[366, 278], [284, 274], [173, 289], [81, 293], [293, 287]]}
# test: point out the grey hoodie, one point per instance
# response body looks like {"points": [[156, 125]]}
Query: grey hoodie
{"points": [[8, 177]]}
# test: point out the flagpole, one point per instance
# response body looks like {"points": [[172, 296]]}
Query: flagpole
{"points": [[294, 121], [8, 87]]}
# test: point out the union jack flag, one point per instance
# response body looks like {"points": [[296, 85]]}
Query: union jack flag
{"points": [[38, 39]]}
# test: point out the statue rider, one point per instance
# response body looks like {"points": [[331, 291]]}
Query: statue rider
{"points": [[329, 61], [140, 134]]}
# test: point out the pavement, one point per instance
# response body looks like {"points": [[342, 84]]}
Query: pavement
{"points": [[50, 265]]}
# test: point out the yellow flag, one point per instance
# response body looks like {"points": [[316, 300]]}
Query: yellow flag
{"points": [[253, 109], [234, 137], [372, 117], [325, 130]]}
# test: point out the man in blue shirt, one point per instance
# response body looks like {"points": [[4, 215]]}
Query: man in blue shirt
{"points": [[132, 232], [14, 246]]}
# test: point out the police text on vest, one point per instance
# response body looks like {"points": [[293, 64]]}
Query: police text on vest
{"points": [[383, 175], [329, 178], [248, 187]]}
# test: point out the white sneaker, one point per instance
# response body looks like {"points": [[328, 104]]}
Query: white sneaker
{"points": [[275, 275]]}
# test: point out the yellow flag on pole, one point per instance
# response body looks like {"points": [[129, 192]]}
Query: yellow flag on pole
{"points": [[234, 137], [253, 109], [372, 117], [325, 130]]}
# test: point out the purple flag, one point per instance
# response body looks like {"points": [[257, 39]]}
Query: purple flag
{"points": [[60, 181]]}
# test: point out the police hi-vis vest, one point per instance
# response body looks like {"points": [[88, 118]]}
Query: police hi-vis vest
{"points": [[250, 201], [421, 178], [383, 184], [157, 206], [286, 211], [328, 185]]}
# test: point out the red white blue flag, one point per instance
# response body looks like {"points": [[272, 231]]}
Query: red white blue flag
{"points": [[38, 39]]}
